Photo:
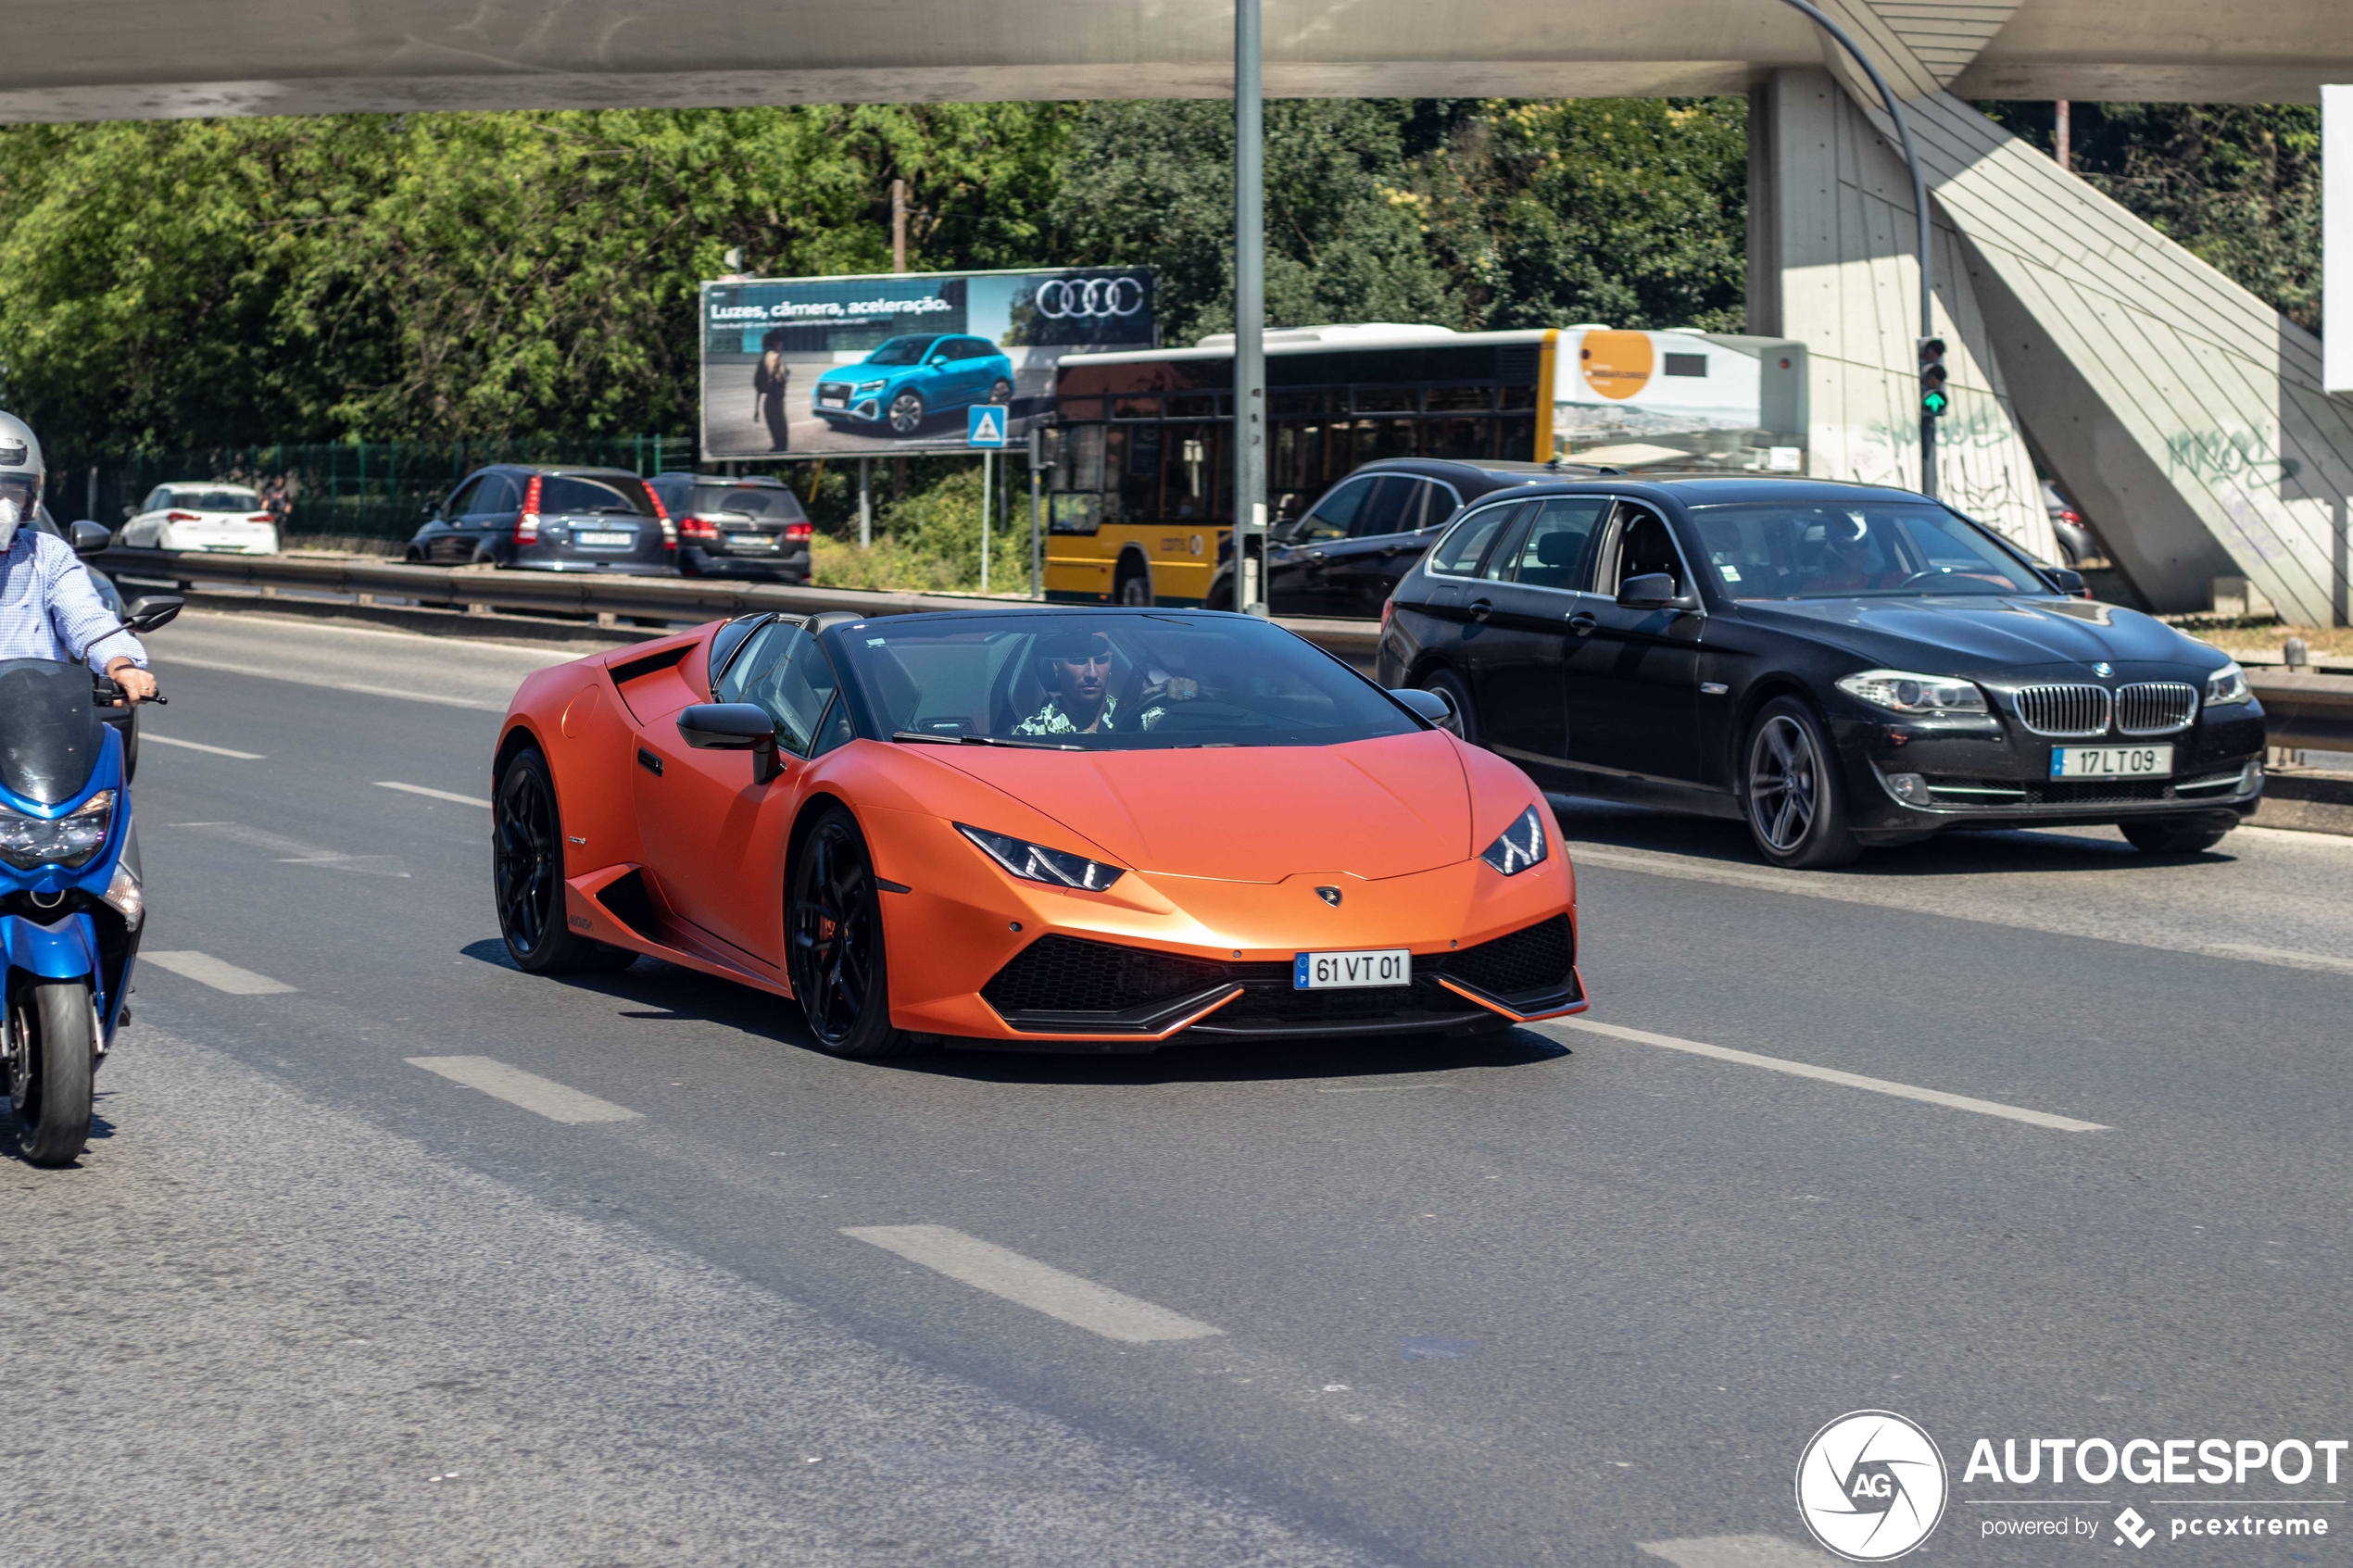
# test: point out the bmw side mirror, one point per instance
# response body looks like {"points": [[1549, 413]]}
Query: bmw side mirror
{"points": [[146, 613], [733, 726], [1651, 590], [1436, 706], [89, 539]]}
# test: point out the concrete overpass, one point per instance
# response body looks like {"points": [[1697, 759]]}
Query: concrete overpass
{"points": [[2184, 415]]}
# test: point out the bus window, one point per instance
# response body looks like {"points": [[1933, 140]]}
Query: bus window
{"points": [[1384, 438], [1075, 514], [1191, 453], [1140, 473]]}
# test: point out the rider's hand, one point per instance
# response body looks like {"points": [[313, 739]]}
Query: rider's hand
{"points": [[136, 684]]}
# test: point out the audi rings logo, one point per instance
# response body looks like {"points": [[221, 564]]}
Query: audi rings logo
{"points": [[1870, 1485], [1072, 299]]}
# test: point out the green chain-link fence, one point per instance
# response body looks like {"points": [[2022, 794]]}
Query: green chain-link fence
{"points": [[356, 492]]}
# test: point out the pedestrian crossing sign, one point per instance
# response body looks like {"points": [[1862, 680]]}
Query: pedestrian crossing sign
{"points": [[985, 425]]}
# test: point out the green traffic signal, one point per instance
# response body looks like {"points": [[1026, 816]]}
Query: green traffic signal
{"points": [[1935, 401]]}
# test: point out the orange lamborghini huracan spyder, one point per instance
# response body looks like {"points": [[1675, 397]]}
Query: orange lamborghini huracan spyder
{"points": [[1092, 830]]}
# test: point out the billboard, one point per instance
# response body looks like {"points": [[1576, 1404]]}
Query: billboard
{"points": [[878, 365], [1676, 400]]}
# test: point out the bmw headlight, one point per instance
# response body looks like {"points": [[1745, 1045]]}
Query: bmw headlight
{"points": [[2227, 685], [1899, 691], [27, 842], [1519, 845], [1035, 862]]}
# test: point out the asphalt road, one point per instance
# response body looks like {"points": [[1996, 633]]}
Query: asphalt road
{"points": [[1571, 1297]]}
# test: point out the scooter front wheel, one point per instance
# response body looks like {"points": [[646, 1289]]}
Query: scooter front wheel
{"points": [[53, 1040]]}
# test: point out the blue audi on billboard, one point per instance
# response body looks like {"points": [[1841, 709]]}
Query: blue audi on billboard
{"points": [[912, 377], [818, 367]]}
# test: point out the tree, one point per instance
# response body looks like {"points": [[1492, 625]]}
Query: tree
{"points": [[2239, 185]]}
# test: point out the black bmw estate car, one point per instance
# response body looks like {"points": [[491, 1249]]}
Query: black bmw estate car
{"points": [[1838, 666], [551, 520]]}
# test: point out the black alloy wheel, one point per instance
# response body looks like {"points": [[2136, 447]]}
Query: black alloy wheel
{"points": [[906, 413], [53, 1052], [1001, 391], [833, 928], [1448, 684], [1795, 810], [2172, 836], [527, 876]]}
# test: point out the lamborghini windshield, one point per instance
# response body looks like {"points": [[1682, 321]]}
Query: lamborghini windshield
{"points": [[1772, 550], [1109, 681]]}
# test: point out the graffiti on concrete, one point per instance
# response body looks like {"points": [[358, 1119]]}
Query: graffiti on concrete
{"points": [[2214, 457]]}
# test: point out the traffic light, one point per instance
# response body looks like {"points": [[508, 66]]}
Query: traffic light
{"points": [[1934, 399]]}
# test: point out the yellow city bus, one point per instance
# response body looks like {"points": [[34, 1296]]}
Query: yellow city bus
{"points": [[1140, 494]]}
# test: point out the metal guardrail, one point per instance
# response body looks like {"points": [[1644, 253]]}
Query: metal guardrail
{"points": [[688, 599], [2311, 711]]}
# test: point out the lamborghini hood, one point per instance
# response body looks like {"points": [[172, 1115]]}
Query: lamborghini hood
{"points": [[1371, 809]]}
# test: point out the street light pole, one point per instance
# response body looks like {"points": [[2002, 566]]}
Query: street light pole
{"points": [[1250, 314], [1920, 209]]}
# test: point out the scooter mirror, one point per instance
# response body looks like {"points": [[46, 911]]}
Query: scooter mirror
{"points": [[89, 539], [153, 610]]}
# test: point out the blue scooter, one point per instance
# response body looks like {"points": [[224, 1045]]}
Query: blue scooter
{"points": [[70, 903]]}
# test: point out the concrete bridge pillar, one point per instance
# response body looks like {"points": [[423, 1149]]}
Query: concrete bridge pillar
{"points": [[2182, 415]]}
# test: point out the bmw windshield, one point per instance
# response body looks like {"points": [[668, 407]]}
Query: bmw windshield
{"points": [[1815, 550], [900, 351], [1095, 682]]}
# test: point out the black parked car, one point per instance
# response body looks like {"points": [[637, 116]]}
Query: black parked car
{"points": [[1343, 555], [749, 527], [1838, 666], [551, 520]]}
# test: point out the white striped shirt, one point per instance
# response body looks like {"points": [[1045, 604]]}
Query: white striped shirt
{"points": [[50, 609]]}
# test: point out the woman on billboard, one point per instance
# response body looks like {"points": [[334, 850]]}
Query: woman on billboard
{"points": [[769, 383]]}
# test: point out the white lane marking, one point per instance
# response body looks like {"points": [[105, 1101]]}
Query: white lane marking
{"points": [[529, 1090], [434, 794], [1832, 1075], [154, 739], [1736, 1551], [227, 669], [983, 1265], [294, 852], [1884, 894], [205, 969], [1374, 1089]]}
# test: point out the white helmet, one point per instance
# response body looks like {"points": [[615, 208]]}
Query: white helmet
{"points": [[21, 474]]}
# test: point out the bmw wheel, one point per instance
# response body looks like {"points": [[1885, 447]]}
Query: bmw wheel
{"points": [[1448, 684], [2173, 835], [906, 413], [1795, 810], [527, 876], [833, 957]]}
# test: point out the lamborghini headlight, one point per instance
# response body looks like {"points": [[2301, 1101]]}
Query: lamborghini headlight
{"points": [[69, 840], [1900, 691], [1035, 862], [1519, 845], [2226, 686]]}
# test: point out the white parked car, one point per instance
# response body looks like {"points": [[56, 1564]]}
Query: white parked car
{"points": [[198, 514]]}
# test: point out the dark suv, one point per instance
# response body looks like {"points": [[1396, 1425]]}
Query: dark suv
{"points": [[1344, 554], [551, 520], [748, 527]]}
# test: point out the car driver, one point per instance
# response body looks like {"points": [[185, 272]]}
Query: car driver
{"points": [[1075, 667]]}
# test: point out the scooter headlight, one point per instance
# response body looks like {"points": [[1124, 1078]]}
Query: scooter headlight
{"points": [[130, 900], [71, 840]]}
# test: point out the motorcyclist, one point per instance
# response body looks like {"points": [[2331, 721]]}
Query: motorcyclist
{"points": [[49, 609]]}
